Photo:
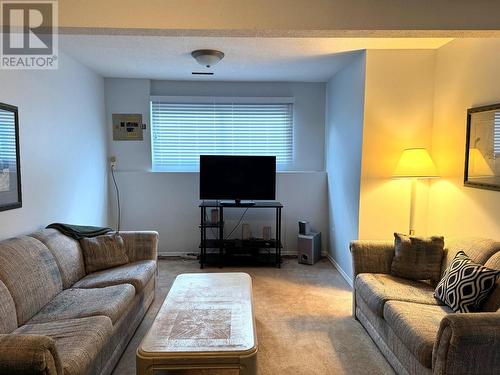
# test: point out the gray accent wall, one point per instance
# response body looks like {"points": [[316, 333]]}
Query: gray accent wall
{"points": [[345, 100]]}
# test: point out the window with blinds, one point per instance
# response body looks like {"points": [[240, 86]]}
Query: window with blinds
{"points": [[182, 129], [7, 140]]}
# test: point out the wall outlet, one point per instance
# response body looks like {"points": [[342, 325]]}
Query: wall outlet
{"points": [[112, 161]]}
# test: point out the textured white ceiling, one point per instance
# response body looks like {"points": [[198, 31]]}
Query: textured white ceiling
{"points": [[247, 59]]}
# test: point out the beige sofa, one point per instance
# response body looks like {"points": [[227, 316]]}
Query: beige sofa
{"points": [[55, 318], [414, 331]]}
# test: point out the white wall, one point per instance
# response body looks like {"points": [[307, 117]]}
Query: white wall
{"points": [[398, 114], [63, 146], [412, 98], [466, 76], [168, 202], [344, 137], [377, 106]]}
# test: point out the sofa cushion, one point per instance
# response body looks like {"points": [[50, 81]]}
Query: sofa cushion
{"points": [[376, 289], [111, 301], [417, 258], [141, 245], [492, 302], [78, 341], [478, 249], [416, 325], [465, 284], [138, 274], [395, 351], [30, 273], [103, 252], [8, 319], [67, 253]]}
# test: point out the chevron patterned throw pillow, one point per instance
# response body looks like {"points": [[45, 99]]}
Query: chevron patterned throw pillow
{"points": [[465, 284]]}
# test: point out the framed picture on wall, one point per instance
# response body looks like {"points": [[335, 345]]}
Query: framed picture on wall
{"points": [[10, 167], [482, 153]]}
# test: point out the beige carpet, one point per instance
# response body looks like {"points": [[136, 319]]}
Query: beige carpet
{"points": [[303, 317]]}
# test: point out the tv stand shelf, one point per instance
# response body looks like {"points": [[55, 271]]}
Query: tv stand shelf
{"points": [[209, 224], [256, 251]]}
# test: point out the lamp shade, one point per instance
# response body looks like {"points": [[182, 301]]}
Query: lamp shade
{"points": [[417, 163], [478, 166]]}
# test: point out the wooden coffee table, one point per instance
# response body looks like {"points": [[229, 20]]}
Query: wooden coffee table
{"points": [[206, 322]]}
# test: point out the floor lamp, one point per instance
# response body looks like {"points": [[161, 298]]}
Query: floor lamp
{"points": [[415, 163]]}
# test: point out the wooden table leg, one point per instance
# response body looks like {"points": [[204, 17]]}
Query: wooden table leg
{"points": [[143, 367], [248, 365]]}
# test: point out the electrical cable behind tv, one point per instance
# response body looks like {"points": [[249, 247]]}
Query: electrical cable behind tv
{"points": [[117, 197], [238, 224]]}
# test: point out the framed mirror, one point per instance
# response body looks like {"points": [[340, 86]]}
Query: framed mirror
{"points": [[482, 152], [10, 168]]}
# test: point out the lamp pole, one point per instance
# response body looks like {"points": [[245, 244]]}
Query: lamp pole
{"points": [[413, 203], [415, 163]]}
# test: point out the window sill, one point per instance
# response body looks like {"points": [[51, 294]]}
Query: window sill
{"points": [[196, 172]]}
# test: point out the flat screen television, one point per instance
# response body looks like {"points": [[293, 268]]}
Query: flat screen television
{"points": [[237, 178]]}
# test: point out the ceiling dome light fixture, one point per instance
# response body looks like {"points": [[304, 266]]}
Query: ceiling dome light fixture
{"points": [[207, 57]]}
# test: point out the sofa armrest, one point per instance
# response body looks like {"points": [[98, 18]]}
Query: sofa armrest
{"points": [[29, 354], [141, 245], [371, 256], [467, 344]]}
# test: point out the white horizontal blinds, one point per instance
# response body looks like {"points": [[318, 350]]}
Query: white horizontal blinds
{"points": [[181, 132], [7, 140], [496, 135]]}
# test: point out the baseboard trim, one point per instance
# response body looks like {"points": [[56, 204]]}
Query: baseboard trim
{"points": [[341, 271], [182, 254], [169, 254]]}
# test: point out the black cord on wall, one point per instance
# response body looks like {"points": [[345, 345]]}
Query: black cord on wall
{"points": [[117, 197]]}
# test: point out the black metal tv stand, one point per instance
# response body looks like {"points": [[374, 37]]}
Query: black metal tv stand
{"points": [[234, 251], [237, 203]]}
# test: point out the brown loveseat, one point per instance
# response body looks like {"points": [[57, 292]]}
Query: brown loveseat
{"points": [[55, 318], [414, 331]]}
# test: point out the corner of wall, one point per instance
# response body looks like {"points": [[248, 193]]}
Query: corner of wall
{"points": [[398, 114], [344, 129]]}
